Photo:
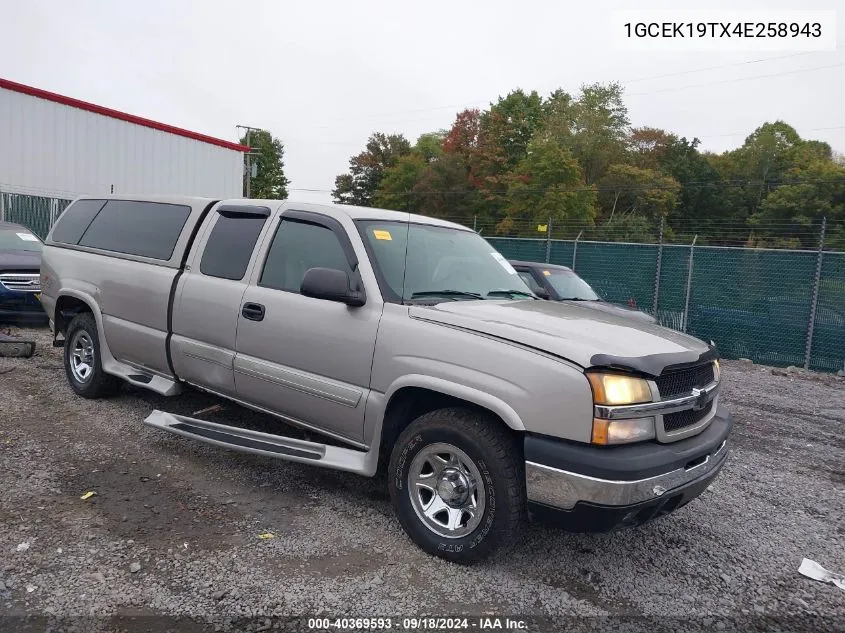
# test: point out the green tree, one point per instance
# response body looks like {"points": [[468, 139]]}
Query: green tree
{"points": [[548, 183], [367, 169], [445, 191], [599, 129], [818, 192], [648, 146], [396, 189], [625, 190], [269, 182]]}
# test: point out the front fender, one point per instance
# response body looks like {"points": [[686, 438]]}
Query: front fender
{"points": [[461, 391]]}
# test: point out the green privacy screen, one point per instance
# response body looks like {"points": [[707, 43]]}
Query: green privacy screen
{"points": [[753, 303]]}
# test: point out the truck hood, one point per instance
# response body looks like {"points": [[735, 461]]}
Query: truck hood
{"points": [[588, 337], [612, 308], [11, 261]]}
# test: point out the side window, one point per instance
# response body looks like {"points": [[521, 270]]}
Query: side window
{"points": [[230, 246], [298, 246], [146, 229], [75, 219], [528, 278]]}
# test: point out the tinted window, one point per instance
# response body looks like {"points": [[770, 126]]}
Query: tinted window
{"points": [[147, 229], [76, 218], [297, 247], [230, 246]]}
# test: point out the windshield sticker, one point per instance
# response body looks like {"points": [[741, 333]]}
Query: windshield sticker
{"points": [[27, 237], [382, 235], [505, 263], [547, 273]]}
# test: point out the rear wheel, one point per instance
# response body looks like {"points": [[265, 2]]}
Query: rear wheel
{"points": [[456, 480], [83, 366]]}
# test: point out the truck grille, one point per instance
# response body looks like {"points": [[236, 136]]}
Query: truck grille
{"points": [[21, 282], [682, 381], [683, 419]]}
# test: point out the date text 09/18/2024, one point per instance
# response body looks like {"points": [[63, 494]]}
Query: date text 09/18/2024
{"points": [[431, 623]]}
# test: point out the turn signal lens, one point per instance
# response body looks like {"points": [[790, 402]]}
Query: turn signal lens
{"points": [[622, 431], [612, 389]]}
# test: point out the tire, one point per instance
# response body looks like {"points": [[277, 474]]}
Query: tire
{"points": [[83, 364], [480, 449]]}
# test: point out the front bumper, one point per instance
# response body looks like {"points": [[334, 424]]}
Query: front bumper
{"points": [[588, 488]]}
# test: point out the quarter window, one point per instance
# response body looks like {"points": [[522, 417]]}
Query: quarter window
{"points": [[230, 246], [528, 278], [298, 246]]}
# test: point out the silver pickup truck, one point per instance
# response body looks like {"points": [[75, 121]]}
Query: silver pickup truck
{"points": [[407, 344]]}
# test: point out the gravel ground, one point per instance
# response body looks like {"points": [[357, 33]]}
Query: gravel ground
{"points": [[173, 529]]}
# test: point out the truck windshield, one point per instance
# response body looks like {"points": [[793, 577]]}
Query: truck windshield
{"points": [[421, 262], [569, 285], [19, 240]]}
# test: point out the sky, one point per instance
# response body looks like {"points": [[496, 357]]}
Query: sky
{"points": [[323, 75]]}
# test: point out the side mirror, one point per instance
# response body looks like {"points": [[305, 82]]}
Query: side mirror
{"points": [[330, 284], [542, 293]]}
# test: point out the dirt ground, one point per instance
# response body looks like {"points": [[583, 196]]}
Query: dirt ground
{"points": [[174, 527]]}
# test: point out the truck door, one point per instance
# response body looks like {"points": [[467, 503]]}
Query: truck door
{"points": [[306, 359], [208, 297]]}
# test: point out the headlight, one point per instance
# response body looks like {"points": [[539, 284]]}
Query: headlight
{"points": [[717, 371], [622, 431], [612, 389]]}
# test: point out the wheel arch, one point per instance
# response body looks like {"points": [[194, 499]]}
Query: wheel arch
{"points": [[413, 396]]}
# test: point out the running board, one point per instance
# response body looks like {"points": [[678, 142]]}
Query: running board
{"points": [[266, 444]]}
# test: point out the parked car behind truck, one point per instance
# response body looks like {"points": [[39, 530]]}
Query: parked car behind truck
{"points": [[560, 283], [408, 343], [20, 262]]}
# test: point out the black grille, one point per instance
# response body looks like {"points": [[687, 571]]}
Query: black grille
{"points": [[682, 381], [683, 419]]}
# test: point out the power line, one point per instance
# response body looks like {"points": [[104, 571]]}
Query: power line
{"points": [[481, 103], [587, 188], [727, 81]]}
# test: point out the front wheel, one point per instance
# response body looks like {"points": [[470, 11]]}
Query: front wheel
{"points": [[457, 484]]}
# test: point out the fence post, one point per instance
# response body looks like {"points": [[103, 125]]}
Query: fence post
{"points": [[549, 240], [689, 281], [474, 223], [575, 249], [815, 301], [657, 270], [2, 207]]}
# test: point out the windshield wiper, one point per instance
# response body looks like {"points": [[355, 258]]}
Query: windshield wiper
{"points": [[577, 299], [445, 293], [504, 293]]}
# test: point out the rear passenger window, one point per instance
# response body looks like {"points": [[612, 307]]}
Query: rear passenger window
{"points": [[230, 246], [75, 219], [298, 246], [146, 229]]}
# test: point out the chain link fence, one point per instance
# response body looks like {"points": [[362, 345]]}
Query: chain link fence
{"points": [[773, 306], [776, 306]]}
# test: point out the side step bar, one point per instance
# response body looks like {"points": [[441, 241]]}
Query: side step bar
{"points": [[266, 444]]}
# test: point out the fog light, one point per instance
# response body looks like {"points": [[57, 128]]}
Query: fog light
{"points": [[622, 431]]}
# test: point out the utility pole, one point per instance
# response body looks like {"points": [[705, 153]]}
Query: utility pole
{"points": [[249, 154]]}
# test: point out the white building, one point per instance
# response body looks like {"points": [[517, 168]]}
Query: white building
{"points": [[57, 147]]}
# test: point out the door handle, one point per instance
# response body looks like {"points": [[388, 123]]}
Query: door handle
{"points": [[253, 311]]}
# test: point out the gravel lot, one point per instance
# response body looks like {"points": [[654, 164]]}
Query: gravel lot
{"points": [[174, 526]]}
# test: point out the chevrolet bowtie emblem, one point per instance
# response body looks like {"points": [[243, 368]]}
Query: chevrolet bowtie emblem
{"points": [[700, 399]]}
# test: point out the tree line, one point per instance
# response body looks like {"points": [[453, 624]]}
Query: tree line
{"points": [[578, 161]]}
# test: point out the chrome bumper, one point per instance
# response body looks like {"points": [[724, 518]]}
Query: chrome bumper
{"points": [[562, 489]]}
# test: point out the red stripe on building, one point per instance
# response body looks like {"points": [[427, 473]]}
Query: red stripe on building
{"points": [[117, 114]]}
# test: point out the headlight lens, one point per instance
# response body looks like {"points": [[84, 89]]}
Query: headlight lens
{"points": [[717, 371], [612, 389], [622, 431]]}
